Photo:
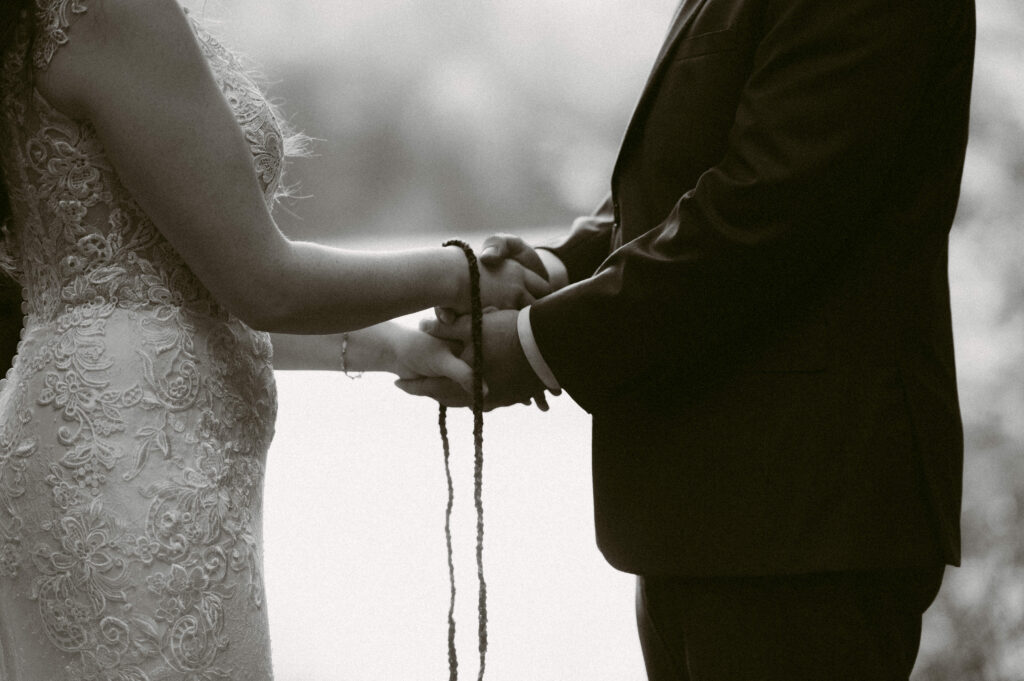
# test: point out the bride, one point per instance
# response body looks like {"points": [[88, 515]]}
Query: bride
{"points": [[139, 164]]}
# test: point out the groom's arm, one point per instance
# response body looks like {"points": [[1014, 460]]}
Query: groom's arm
{"points": [[586, 246], [566, 259], [832, 90], [571, 258]]}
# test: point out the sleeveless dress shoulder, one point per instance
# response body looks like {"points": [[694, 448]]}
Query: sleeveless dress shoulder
{"points": [[135, 421]]}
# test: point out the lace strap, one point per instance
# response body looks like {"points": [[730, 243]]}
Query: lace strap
{"points": [[53, 18]]}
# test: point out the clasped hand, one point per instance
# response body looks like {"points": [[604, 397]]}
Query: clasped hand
{"points": [[505, 261], [512, 276]]}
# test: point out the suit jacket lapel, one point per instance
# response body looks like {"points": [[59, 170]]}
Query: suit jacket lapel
{"points": [[685, 14], [686, 11]]}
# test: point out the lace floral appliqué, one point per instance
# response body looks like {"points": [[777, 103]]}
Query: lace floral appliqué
{"points": [[136, 420]]}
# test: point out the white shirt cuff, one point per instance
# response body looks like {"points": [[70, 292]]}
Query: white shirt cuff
{"points": [[532, 352], [558, 274]]}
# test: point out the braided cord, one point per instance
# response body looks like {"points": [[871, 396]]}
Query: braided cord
{"points": [[476, 311], [453, 658]]}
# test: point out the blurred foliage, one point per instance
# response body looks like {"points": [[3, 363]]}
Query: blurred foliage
{"points": [[464, 116], [449, 117]]}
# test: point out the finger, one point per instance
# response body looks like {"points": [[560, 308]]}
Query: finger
{"points": [[458, 371], [491, 405], [459, 331], [495, 249], [445, 314], [542, 401], [442, 390], [503, 401], [537, 285], [526, 256], [508, 247], [454, 347]]}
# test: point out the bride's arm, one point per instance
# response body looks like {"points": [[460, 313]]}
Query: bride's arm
{"points": [[388, 346], [133, 69]]}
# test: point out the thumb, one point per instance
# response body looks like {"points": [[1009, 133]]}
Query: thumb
{"points": [[495, 249], [454, 368], [514, 248], [445, 314], [459, 331]]}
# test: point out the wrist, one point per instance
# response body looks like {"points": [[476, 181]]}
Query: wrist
{"points": [[389, 348], [370, 349], [456, 275], [528, 343], [521, 363]]}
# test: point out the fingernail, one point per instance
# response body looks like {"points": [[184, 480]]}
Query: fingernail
{"points": [[488, 252]]}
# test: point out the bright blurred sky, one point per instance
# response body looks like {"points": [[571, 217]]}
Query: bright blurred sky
{"points": [[599, 56], [449, 115]]}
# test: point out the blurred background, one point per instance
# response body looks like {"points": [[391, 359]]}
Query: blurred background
{"points": [[440, 119]]}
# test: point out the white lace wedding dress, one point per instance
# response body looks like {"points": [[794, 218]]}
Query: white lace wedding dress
{"points": [[136, 419]]}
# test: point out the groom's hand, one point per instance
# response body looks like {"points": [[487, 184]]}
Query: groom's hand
{"points": [[507, 373], [501, 247], [496, 254]]}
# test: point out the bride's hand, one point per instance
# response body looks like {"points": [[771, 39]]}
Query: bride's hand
{"points": [[509, 285], [508, 281], [420, 355]]}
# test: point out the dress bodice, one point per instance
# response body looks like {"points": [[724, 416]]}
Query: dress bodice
{"points": [[135, 422], [77, 234]]}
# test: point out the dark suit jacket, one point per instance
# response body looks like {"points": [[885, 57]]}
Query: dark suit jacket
{"points": [[759, 320]]}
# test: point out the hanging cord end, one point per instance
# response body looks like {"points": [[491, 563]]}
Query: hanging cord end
{"points": [[476, 310]]}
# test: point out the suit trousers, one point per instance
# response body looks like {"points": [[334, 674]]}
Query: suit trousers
{"points": [[841, 626]]}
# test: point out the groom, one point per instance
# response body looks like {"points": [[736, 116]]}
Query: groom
{"points": [[757, 317]]}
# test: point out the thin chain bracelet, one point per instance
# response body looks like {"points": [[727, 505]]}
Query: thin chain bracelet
{"points": [[344, 349], [477, 315]]}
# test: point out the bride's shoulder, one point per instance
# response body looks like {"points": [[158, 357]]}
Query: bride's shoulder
{"points": [[65, 23], [80, 41]]}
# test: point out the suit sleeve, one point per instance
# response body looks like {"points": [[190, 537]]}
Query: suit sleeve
{"points": [[832, 87], [588, 244]]}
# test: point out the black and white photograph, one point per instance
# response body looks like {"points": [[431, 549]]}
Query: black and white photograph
{"points": [[640, 340]]}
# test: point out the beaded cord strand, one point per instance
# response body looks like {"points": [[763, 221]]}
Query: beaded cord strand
{"points": [[476, 311]]}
